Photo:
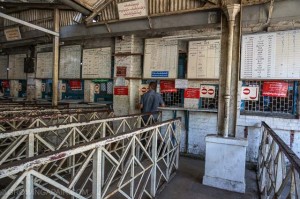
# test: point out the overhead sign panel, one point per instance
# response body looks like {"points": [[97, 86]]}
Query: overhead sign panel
{"points": [[132, 9]]}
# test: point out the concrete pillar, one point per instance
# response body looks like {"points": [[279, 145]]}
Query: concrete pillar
{"points": [[231, 12], [55, 59], [89, 91], [14, 88], [38, 89], [128, 54]]}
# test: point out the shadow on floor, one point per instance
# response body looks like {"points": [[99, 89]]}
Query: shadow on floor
{"points": [[187, 184]]}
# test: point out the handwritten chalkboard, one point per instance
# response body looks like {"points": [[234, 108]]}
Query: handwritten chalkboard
{"points": [[204, 59], [271, 55], [96, 63], [160, 56], [44, 65], [16, 67], [70, 62]]}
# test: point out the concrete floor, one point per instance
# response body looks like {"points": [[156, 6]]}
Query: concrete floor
{"points": [[187, 184]]}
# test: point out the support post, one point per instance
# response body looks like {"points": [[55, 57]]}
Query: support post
{"points": [[28, 186], [97, 165], [231, 12], [55, 59], [154, 159], [30, 145]]}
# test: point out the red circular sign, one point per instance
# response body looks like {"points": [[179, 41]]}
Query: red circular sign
{"points": [[211, 91], [204, 91], [246, 91]]}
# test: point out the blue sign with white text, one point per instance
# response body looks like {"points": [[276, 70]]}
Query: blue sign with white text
{"points": [[160, 74]]}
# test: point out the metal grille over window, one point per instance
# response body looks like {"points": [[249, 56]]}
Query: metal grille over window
{"points": [[109, 88], [272, 104], [173, 99], [210, 103]]}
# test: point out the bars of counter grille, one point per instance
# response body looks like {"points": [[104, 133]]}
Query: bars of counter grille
{"points": [[174, 99], [210, 103], [278, 167], [270, 104]]}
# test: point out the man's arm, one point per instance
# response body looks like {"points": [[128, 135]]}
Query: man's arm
{"points": [[161, 101]]}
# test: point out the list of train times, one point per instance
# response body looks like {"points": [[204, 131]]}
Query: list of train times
{"points": [[204, 59], [70, 62], [3, 67], [96, 63], [271, 56], [161, 56], [44, 65], [16, 67]]}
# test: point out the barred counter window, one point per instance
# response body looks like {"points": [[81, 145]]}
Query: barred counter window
{"points": [[277, 104]]}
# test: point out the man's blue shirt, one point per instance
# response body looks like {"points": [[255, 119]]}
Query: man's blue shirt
{"points": [[151, 101]]}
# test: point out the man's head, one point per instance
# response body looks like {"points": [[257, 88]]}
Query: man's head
{"points": [[152, 86]]}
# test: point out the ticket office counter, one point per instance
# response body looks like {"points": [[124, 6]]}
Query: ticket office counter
{"points": [[196, 124]]}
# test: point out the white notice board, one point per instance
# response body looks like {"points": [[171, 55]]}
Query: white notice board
{"points": [[70, 62], [204, 59], [271, 55], [96, 63], [161, 58], [44, 65], [3, 66], [16, 67]]}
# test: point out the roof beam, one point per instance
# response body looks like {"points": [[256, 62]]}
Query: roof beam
{"points": [[28, 24], [97, 10]]}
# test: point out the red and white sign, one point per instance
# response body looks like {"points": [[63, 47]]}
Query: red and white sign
{"points": [[43, 87], [143, 88], [207, 91], [63, 87], [121, 90], [193, 93], [20, 87], [167, 86], [97, 88], [250, 93], [275, 89]]}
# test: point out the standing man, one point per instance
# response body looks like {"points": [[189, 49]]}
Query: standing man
{"points": [[151, 100]]}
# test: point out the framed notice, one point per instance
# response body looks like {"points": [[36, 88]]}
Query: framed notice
{"points": [[3, 66], [204, 59], [16, 67], [161, 58], [132, 9], [70, 62], [96, 63], [44, 65], [271, 55]]}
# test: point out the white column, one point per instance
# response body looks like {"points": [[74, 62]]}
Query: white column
{"points": [[231, 12]]}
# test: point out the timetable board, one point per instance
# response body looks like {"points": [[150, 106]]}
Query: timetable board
{"points": [[70, 62], [16, 67], [271, 55], [3, 66], [161, 56], [44, 65], [96, 63], [204, 59]]}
